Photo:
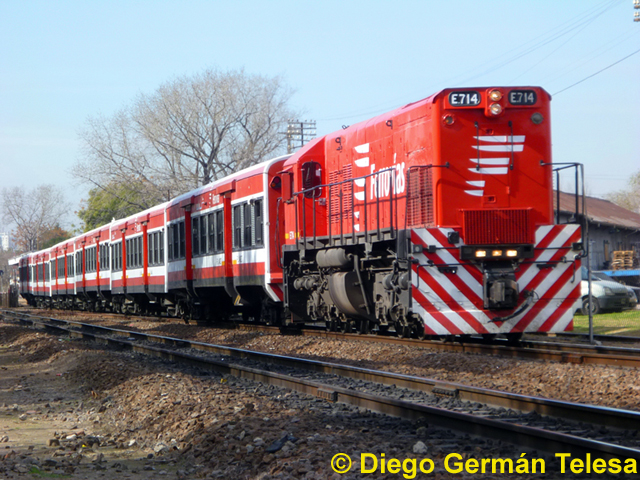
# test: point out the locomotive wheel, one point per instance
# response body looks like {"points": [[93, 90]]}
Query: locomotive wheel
{"points": [[403, 331], [363, 327], [420, 333], [382, 329], [514, 338], [346, 326]]}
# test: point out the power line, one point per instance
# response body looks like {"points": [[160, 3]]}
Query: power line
{"points": [[578, 22], [599, 71]]}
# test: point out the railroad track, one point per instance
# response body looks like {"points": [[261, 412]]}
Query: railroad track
{"points": [[568, 352], [533, 422], [527, 349]]}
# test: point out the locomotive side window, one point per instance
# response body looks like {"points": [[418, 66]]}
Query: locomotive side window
{"points": [[203, 234], [311, 178]]}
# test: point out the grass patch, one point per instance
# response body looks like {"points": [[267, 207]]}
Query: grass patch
{"points": [[625, 323], [39, 473]]}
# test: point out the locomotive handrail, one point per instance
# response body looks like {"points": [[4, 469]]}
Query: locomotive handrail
{"points": [[351, 181], [579, 181]]}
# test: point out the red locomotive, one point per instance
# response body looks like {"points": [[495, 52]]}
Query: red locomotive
{"points": [[433, 219]]}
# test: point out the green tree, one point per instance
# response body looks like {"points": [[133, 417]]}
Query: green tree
{"points": [[53, 236], [118, 201]]}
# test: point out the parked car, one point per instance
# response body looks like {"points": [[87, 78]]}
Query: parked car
{"points": [[607, 294]]}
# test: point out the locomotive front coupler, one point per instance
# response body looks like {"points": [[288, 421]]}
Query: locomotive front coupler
{"points": [[499, 286]]}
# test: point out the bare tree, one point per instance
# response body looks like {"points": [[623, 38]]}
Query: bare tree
{"points": [[33, 213], [190, 132], [630, 198]]}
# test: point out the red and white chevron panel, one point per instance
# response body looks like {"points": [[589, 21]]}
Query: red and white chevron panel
{"points": [[452, 303]]}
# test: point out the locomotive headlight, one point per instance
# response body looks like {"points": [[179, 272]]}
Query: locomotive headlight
{"points": [[495, 109], [481, 253], [495, 95], [448, 119], [496, 253], [512, 253]]}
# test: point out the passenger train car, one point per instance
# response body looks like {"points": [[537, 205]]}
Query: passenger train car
{"points": [[433, 219]]}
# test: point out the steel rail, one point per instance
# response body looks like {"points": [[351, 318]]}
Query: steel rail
{"points": [[611, 417], [558, 352], [541, 350]]}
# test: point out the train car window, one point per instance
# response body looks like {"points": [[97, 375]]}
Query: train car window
{"points": [[170, 242], [212, 233], [203, 234], [106, 257], [134, 254], [247, 240], [118, 255], [152, 250], [237, 226], [183, 243], [259, 222], [157, 248], [311, 178], [176, 242], [195, 235], [220, 231]]}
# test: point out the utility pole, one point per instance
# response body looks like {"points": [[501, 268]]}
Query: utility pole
{"points": [[300, 132], [636, 5]]}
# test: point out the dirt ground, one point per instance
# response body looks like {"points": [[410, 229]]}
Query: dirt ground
{"points": [[69, 409]]}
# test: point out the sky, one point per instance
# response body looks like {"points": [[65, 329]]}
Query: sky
{"points": [[64, 61]]}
